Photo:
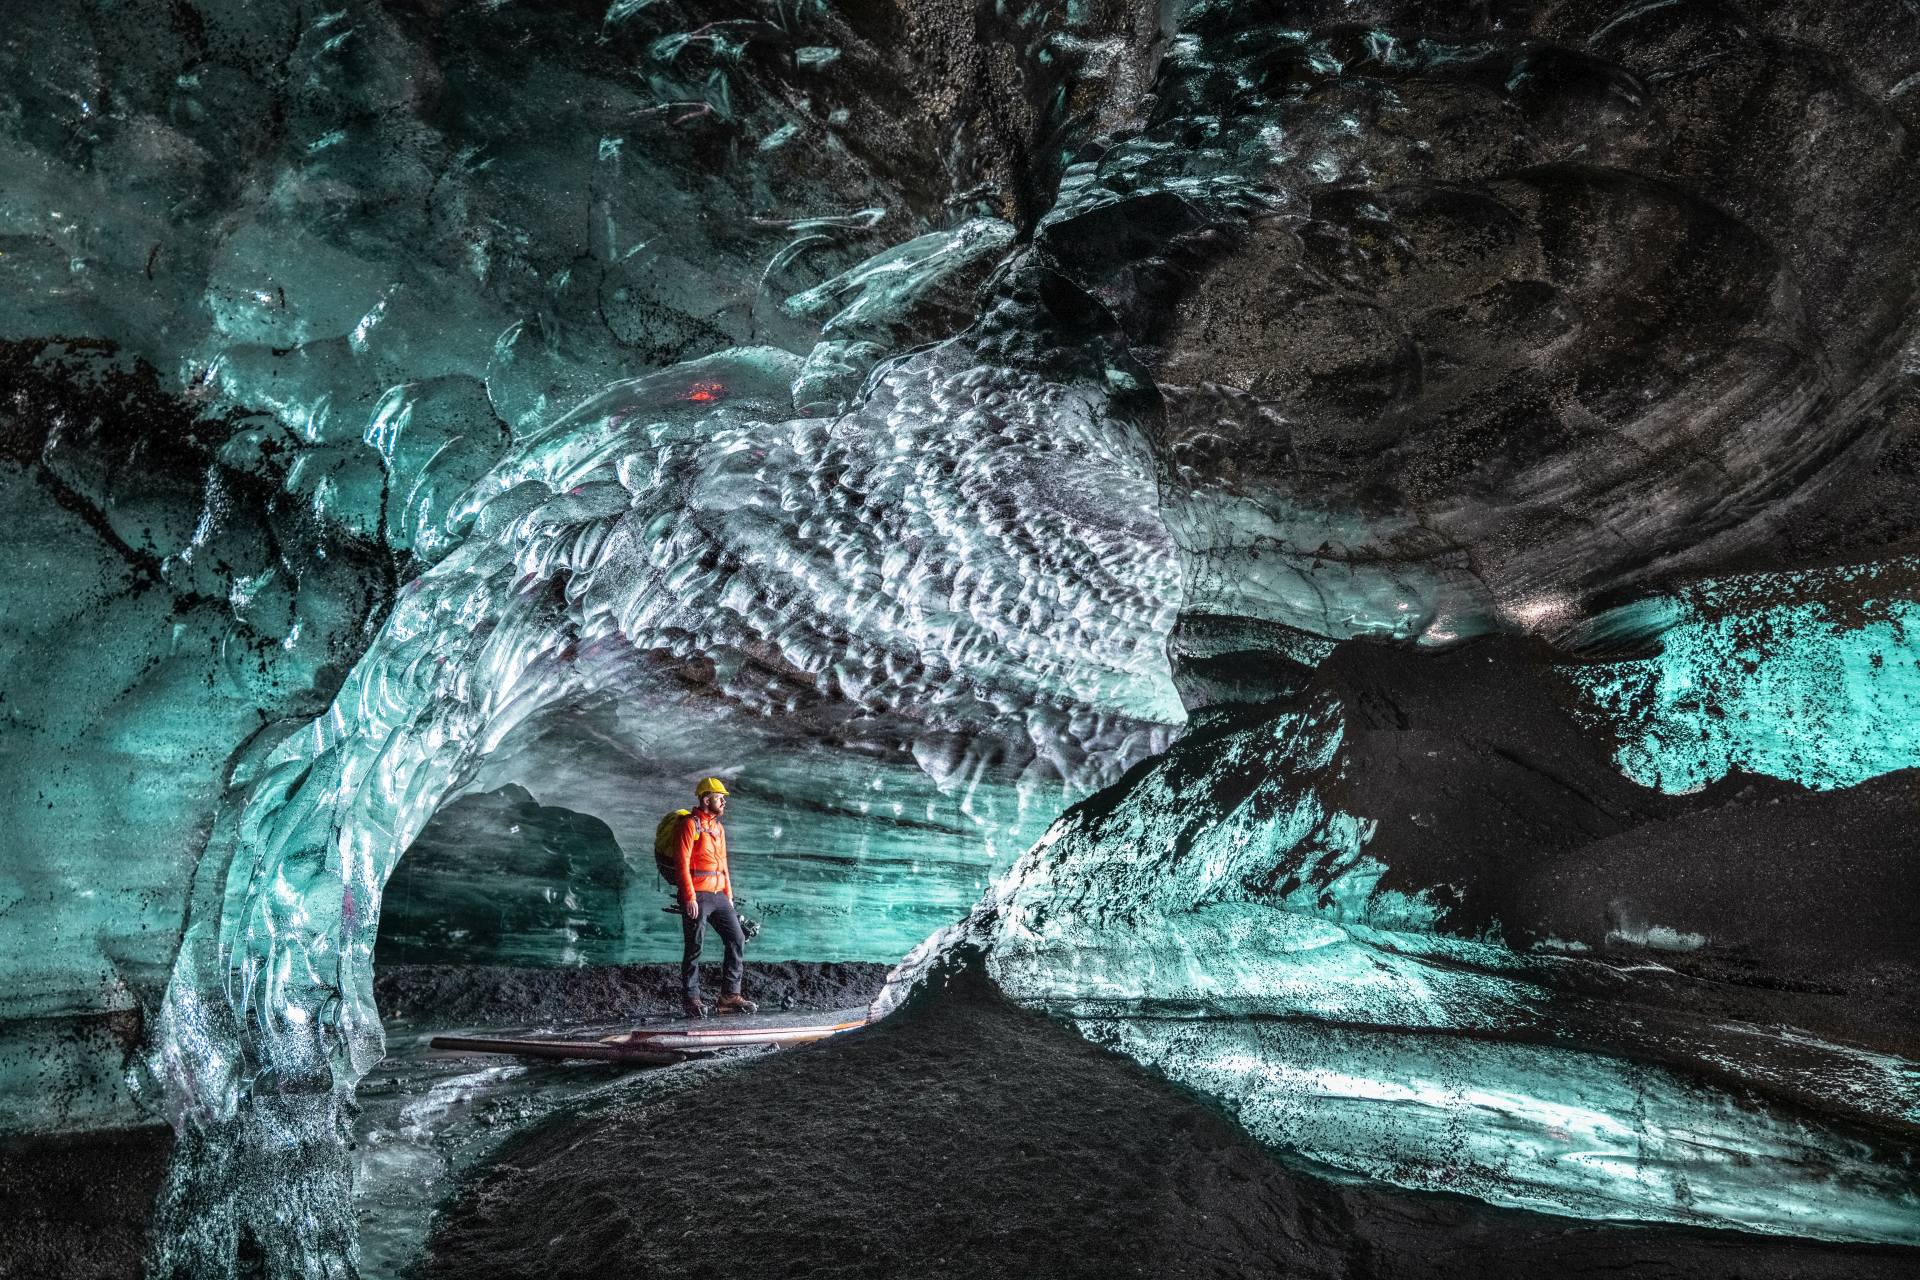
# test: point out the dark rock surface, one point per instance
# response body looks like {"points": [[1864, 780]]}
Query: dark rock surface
{"points": [[964, 1137], [1531, 300], [1813, 889], [75, 1206]]}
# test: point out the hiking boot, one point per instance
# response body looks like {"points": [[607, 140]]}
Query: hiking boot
{"points": [[735, 1003], [693, 1008]]}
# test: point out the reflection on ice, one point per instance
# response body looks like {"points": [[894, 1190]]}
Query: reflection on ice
{"points": [[1538, 1126], [1470, 1069]]}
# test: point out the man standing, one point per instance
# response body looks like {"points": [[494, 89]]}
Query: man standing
{"points": [[706, 896]]}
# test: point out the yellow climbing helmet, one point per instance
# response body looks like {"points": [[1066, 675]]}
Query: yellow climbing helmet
{"points": [[710, 786]]}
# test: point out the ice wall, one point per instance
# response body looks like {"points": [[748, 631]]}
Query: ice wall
{"points": [[168, 613], [1813, 676]]}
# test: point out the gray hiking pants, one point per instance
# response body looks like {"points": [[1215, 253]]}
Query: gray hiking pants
{"points": [[715, 909]]}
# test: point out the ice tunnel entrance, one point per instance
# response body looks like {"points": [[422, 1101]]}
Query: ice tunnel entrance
{"points": [[496, 877], [841, 872]]}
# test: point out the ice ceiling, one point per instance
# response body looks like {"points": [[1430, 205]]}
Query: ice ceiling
{"points": [[929, 417]]}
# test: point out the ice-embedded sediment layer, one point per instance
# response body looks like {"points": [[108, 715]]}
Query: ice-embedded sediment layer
{"points": [[1813, 676], [1411, 924]]}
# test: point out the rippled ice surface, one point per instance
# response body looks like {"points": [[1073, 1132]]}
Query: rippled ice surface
{"points": [[935, 617]]}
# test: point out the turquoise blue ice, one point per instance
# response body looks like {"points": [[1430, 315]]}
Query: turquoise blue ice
{"points": [[1812, 676]]}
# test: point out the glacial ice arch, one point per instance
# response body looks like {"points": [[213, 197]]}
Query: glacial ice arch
{"points": [[686, 538]]}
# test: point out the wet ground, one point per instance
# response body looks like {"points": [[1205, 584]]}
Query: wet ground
{"points": [[428, 1116], [75, 1206]]}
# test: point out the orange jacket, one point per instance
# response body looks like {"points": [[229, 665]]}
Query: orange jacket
{"points": [[703, 856]]}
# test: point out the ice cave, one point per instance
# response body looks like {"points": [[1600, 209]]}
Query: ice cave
{"points": [[1304, 616]]}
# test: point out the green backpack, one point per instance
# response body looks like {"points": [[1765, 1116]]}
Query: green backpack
{"points": [[666, 846]]}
